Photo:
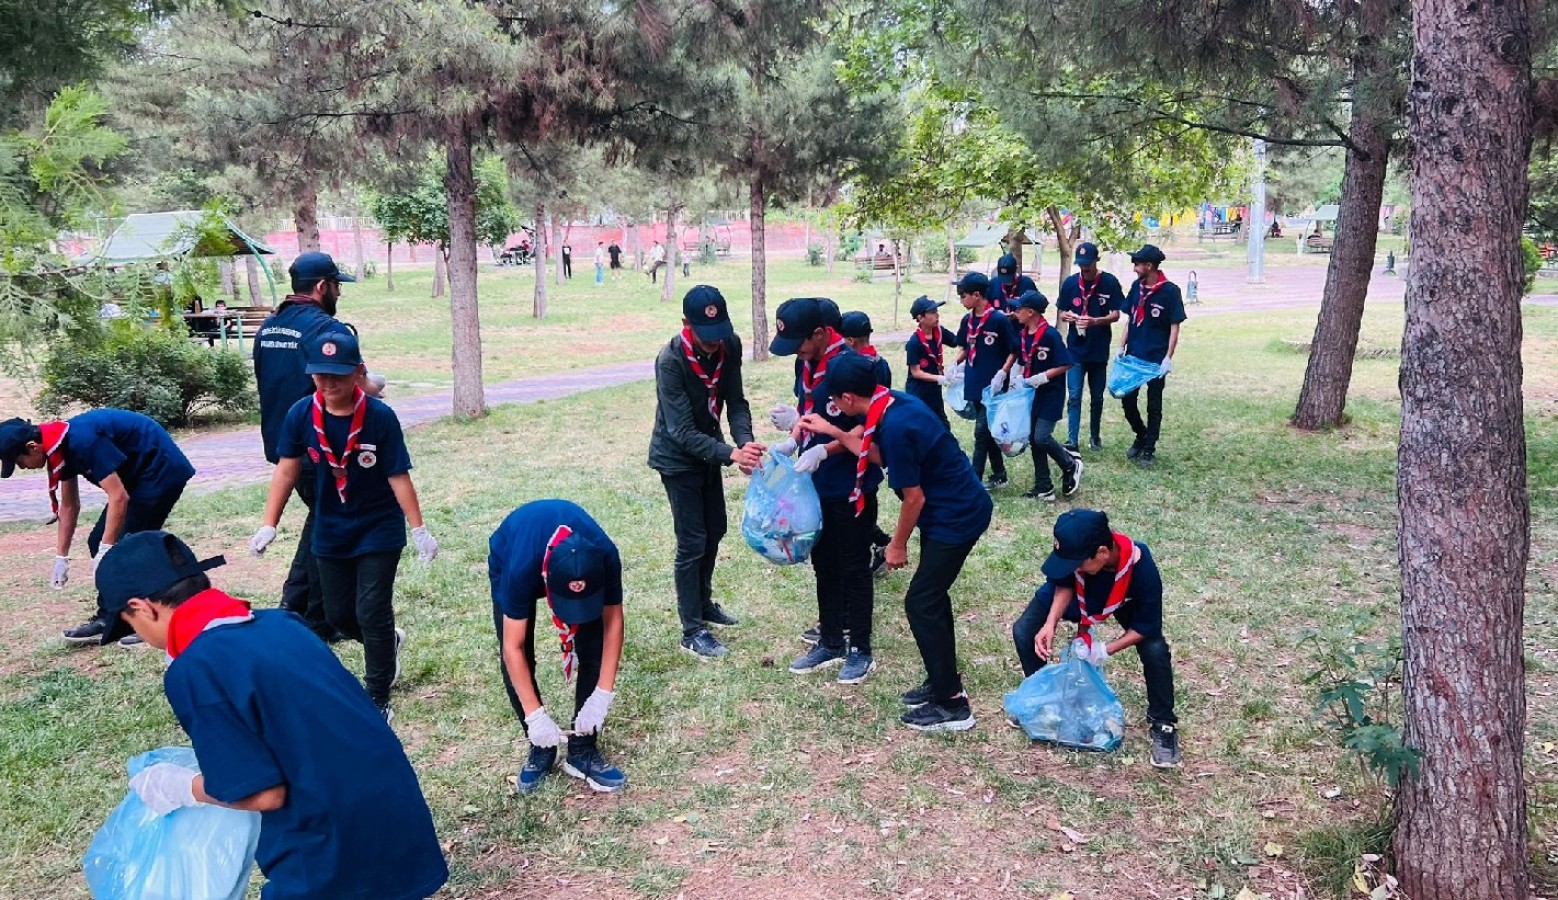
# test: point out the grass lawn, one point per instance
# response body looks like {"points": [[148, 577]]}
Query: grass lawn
{"points": [[747, 781]]}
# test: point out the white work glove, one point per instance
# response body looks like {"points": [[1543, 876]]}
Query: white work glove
{"points": [[812, 459], [943, 380], [955, 373], [593, 714], [262, 539], [999, 381], [785, 447], [784, 416], [1097, 654], [164, 787], [1167, 367], [1035, 381], [61, 573], [102, 549], [543, 731], [427, 545]]}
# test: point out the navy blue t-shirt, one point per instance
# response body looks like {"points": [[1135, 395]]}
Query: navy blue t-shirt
{"points": [[107, 442], [266, 703], [922, 358], [516, 549], [1142, 610], [1040, 354], [1148, 338], [987, 348], [835, 478], [1005, 289], [919, 452], [884, 372], [370, 521], [1104, 295], [279, 349]]}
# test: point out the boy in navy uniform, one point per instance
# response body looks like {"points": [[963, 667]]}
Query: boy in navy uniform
{"points": [[942, 498], [1094, 573], [1008, 284], [1044, 362], [1153, 310], [553, 549], [1090, 301], [279, 728], [698, 375], [365, 499], [132, 458], [841, 559], [989, 351], [856, 328], [926, 357]]}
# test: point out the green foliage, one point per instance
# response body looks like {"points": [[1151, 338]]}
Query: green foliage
{"points": [[1359, 683], [814, 255], [1331, 853], [935, 256], [420, 214], [849, 244], [708, 254], [1531, 257]]}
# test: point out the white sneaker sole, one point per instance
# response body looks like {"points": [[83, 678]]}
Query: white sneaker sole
{"points": [[686, 649], [595, 786], [400, 641], [956, 725], [836, 661], [869, 669]]}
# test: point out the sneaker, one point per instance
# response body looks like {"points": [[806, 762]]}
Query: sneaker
{"points": [[704, 645], [600, 775], [1071, 448], [995, 482], [1070, 481], [935, 717], [385, 711], [1147, 459], [818, 656], [1165, 746], [857, 665], [88, 632], [1133, 452], [400, 641], [812, 635], [715, 615], [1095, 444], [879, 561], [132, 642], [1036, 494], [537, 766], [918, 696], [1013, 722]]}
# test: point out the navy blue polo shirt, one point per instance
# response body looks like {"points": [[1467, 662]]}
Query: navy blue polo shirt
{"points": [[835, 478], [1142, 610], [1005, 289], [370, 521], [1164, 308], [920, 357], [1103, 297], [107, 442], [884, 372], [919, 451], [987, 349], [266, 703], [279, 362], [1040, 354], [516, 549]]}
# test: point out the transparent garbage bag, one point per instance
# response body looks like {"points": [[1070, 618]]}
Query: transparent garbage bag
{"points": [[1068, 703], [783, 516], [957, 400], [1010, 417]]}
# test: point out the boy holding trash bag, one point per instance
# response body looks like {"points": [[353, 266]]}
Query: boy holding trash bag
{"points": [[1095, 573], [279, 727], [1044, 360], [989, 351], [1089, 303], [926, 355], [1153, 310]]}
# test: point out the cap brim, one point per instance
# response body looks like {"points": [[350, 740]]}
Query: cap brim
{"points": [[344, 278], [1058, 566], [784, 345], [118, 629], [329, 369], [579, 610], [718, 331]]}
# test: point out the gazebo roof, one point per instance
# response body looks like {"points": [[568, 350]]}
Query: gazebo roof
{"points": [[142, 237], [986, 235]]}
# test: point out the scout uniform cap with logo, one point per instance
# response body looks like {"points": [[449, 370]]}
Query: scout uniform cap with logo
{"points": [[923, 305], [1148, 254], [1033, 300], [139, 566], [704, 309], [1078, 535], [795, 321], [576, 579], [15, 434], [334, 353], [313, 266], [855, 325], [1087, 254], [973, 283]]}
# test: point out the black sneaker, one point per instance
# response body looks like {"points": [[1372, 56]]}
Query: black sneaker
{"points": [[857, 665], [704, 645], [88, 632], [1070, 481], [1147, 459], [1036, 494], [818, 656], [1133, 452], [1071, 448], [995, 482], [537, 766], [715, 615], [879, 561], [385, 711], [936, 717], [1165, 746], [918, 696], [1095, 444], [812, 635], [132, 642], [600, 775]]}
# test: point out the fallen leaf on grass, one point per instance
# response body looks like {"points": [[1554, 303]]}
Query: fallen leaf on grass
{"points": [[1273, 850], [662, 841], [1072, 835], [1063, 895]]}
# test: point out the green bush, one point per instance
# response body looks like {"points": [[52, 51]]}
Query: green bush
{"points": [[155, 371], [814, 255], [934, 260], [1533, 261], [849, 245], [708, 254]]}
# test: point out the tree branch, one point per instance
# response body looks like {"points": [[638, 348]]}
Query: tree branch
{"points": [[1159, 112]]}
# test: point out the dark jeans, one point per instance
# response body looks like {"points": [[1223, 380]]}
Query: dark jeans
{"points": [[846, 591], [140, 514], [654, 272], [360, 603], [301, 592], [985, 445], [1157, 663], [567, 265], [1097, 375], [589, 643], [928, 606], [698, 518], [1044, 447], [1146, 435]]}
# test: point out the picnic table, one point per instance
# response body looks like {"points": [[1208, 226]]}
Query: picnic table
{"points": [[235, 323], [1219, 231]]}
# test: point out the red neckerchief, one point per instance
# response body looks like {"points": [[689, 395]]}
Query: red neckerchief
{"points": [[54, 453], [975, 329], [192, 617], [932, 345], [1128, 553], [868, 350], [1009, 291], [338, 464], [812, 372], [880, 400], [1027, 346], [1139, 311], [709, 381], [565, 632]]}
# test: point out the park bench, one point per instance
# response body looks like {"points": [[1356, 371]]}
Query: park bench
{"points": [[1319, 243], [237, 323], [876, 263], [1220, 231], [693, 243]]}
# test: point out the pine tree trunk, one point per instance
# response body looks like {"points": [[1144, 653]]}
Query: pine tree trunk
{"points": [[252, 272], [897, 278], [1063, 243], [357, 247], [1014, 242], [557, 240], [464, 314], [831, 243], [759, 213], [1461, 828], [672, 252], [305, 217], [440, 272], [389, 267], [539, 308]]}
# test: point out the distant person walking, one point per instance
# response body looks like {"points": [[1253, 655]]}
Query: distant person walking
{"points": [[600, 263], [567, 261], [656, 262], [615, 252]]}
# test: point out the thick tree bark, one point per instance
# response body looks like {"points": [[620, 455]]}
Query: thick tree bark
{"points": [[305, 217], [440, 272], [557, 240], [389, 266], [1461, 830], [251, 268], [539, 309], [1063, 242], [897, 278], [1014, 241], [464, 314], [357, 247], [759, 214], [831, 245], [673, 252]]}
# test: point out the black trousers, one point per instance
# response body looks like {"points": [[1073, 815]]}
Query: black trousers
{"points": [[846, 591], [698, 518], [985, 446], [1096, 375], [359, 596], [301, 592], [1146, 433], [589, 643], [928, 606], [567, 265], [140, 514]]}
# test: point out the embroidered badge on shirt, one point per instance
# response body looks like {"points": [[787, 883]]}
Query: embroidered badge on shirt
{"points": [[989, 340], [1156, 311], [833, 409], [367, 459]]}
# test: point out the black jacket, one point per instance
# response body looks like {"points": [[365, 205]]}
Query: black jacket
{"points": [[687, 437]]}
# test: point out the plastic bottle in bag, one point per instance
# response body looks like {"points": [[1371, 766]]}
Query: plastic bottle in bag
{"points": [[783, 516]]}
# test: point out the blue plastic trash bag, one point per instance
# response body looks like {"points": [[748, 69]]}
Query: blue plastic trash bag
{"points": [[783, 515], [1068, 703], [193, 853], [1010, 417], [1127, 373], [957, 399]]}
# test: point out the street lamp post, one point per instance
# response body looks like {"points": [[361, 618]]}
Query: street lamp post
{"points": [[1257, 218]]}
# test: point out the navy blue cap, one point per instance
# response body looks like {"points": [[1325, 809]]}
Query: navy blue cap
{"points": [[831, 317], [1087, 254], [704, 309], [1033, 300], [15, 435], [1078, 535], [1006, 265], [923, 305], [314, 265], [140, 565], [973, 283], [851, 373], [797, 319], [855, 324], [576, 573], [333, 353], [1148, 254]]}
